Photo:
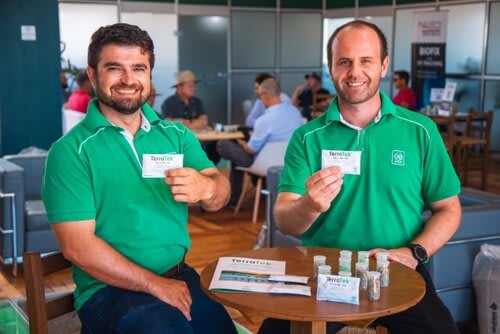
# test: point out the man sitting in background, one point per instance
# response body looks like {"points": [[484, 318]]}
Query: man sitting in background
{"points": [[186, 108], [277, 124], [258, 107], [80, 98], [303, 94], [405, 97], [183, 106]]}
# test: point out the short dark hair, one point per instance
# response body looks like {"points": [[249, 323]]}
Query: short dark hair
{"points": [[81, 78], [358, 24], [403, 75], [259, 79], [120, 34]]}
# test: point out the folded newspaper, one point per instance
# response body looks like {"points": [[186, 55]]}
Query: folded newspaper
{"points": [[256, 275]]}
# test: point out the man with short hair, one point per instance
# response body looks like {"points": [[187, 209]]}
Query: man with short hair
{"points": [[117, 209], [277, 124], [259, 108], [183, 106], [405, 97], [80, 98], [372, 198], [303, 94]]}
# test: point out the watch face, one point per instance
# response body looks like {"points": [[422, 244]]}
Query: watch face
{"points": [[420, 253]]}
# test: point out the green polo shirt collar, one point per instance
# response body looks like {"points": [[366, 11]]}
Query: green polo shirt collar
{"points": [[96, 120], [333, 112]]}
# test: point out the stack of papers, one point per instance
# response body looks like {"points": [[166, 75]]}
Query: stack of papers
{"points": [[256, 275]]}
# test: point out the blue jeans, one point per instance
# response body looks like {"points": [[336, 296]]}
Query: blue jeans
{"points": [[115, 310]]}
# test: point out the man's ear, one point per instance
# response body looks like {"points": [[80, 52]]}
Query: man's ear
{"points": [[92, 76], [385, 66]]}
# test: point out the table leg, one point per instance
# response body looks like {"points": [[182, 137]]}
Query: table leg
{"points": [[308, 327]]}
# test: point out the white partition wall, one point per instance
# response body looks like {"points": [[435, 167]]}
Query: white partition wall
{"points": [[77, 23], [161, 27]]}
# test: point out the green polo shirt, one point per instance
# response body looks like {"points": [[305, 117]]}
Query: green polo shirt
{"points": [[404, 165], [94, 172]]}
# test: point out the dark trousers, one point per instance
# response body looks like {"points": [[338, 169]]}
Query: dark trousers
{"points": [[232, 151], [429, 316], [114, 310], [210, 148]]}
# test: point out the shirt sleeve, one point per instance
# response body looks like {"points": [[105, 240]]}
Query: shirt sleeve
{"points": [[168, 109], [440, 181], [164, 108], [194, 155], [260, 135], [67, 191], [296, 170], [257, 111]]}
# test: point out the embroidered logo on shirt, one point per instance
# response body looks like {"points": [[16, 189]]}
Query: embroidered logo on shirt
{"points": [[398, 158]]}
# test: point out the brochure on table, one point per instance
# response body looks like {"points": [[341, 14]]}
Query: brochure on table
{"points": [[256, 275], [447, 98]]}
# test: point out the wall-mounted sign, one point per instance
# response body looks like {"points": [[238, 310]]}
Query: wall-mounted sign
{"points": [[28, 33]]}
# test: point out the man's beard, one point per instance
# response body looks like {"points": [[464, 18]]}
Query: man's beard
{"points": [[126, 106], [364, 96]]}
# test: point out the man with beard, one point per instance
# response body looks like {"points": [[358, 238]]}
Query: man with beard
{"points": [[118, 210], [349, 183]]}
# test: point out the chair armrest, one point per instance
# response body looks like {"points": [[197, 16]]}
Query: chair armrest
{"points": [[33, 166], [12, 216]]}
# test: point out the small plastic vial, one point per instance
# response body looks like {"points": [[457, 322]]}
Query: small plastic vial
{"points": [[373, 285], [324, 269], [361, 271], [345, 273], [363, 256], [318, 260], [383, 269], [345, 264], [345, 254], [382, 256]]}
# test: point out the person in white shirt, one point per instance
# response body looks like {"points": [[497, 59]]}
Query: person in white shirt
{"points": [[259, 107], [277, 123]]}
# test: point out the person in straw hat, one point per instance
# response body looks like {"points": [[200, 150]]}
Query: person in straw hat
{"points": [[183, 106]]}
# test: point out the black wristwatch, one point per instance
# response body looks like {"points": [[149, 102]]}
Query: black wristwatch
{"points": [[419, 252]]}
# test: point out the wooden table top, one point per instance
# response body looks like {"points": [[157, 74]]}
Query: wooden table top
{"points": [[211, 135], [406, 289]]}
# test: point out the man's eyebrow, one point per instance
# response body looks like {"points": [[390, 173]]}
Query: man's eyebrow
{"points": [[109, 64], [117, 64]]}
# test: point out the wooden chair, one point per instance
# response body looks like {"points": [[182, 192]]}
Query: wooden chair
{"points": [[40, 310], [368, 330], [272, 154], [475, 144], [449, 135]]}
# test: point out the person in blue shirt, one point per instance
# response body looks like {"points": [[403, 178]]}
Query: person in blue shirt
{"points": [[258, 107], [277, 123]]}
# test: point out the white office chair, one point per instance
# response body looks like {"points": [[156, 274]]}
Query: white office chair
{"points": [[272, 154], [70, 119]]}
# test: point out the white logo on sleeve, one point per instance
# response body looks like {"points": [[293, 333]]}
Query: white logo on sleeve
{"points": [[398, 158]]}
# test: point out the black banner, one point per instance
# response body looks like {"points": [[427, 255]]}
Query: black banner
{"points": [[428, 64]]}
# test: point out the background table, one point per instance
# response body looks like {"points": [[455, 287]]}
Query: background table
{"points": [[211, 135], [306, 313]]}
